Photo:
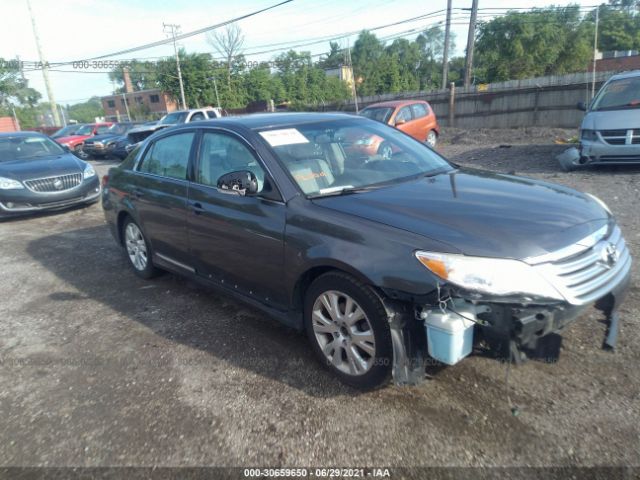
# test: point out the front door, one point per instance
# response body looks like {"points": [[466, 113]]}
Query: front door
{"points": [[236, 240]]}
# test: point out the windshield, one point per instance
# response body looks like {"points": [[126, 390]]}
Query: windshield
{"points": [[85, 130], [27, 148], [173, 118], [102, 129], [381, 114], [66, 131], [618, 94], [346, 155]]}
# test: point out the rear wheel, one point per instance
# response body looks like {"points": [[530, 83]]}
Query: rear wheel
{"points": [[385, 151], [348, 329], [138, 251], [432, 138]]}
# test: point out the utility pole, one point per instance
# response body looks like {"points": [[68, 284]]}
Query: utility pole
{"points": [[174, 30], [595, 54], [353, 77], [470, 43], [126, 106], [445, 53], [45, 68]]}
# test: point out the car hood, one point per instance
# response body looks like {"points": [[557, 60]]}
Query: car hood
{"points": [[481, 213], [140, 133], [41, 167], [104, 137], [624, 119], [72, 138]]}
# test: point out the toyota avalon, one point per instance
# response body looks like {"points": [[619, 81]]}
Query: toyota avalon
{"points": [[381, 259]]}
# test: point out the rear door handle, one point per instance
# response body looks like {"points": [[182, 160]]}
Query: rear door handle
{"points": [[137, 192], [197, 208]]}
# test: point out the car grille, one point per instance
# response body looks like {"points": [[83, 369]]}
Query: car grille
{"points": [[588, 275], [54, 184], [621, 137]]}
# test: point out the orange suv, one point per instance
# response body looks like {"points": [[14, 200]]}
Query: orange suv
{"points": [[413, 117]]}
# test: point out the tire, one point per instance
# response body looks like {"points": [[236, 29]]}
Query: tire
{"points": [[138, 250], [364, 362], [80, 153], [432, 139], [385, 151]]}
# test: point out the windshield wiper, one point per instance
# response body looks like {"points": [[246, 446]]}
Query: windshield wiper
{"points": [[345, 190]]}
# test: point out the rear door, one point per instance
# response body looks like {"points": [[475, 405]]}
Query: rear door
{"points": [[236, 240], [420, 125], [160, 195]]}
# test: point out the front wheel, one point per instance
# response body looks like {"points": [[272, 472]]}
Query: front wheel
{"points": [[348, 329], [80, 153]]}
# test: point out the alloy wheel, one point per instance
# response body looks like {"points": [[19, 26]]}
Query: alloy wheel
{"points": [[432, 138], [343, 333], [136, 247]]}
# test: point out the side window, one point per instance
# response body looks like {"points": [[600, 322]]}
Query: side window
{"points": [[404, 114], [197, 116], [419, 110], [168, 156], [221, 154], [212, 114]]}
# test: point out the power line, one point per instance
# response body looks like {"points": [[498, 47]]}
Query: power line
{"points": [[178, 37]]}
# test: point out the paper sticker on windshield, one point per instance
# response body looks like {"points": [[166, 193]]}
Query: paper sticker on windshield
{"points": [[286, 136]]}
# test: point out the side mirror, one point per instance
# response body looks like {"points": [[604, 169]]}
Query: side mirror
{"points": [[581, 106], [400, 121], [242, 182]]}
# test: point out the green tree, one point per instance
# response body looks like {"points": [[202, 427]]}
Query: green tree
{"points": [[142, 73], [529, 44], [619, 27], [86, 112]]}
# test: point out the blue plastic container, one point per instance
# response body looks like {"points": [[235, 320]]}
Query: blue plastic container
{"points": [[449, 336]]}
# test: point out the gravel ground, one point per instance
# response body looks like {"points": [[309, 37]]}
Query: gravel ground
{"points": [[101, 368]]}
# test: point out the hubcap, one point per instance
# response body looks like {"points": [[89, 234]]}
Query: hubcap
{"points": [[343, 333], [136, 247], [432, 138], [386, 152]]}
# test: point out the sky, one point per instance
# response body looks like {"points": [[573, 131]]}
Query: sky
{"points": [[76, 29]]}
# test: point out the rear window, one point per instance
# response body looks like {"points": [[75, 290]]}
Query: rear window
{"points": [[381, 114]]}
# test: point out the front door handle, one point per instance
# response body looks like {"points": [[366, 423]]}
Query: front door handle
{"points": [[197, 208], [137, 192]]}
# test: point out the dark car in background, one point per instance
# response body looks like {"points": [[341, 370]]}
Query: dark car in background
{"points": [[75, 141], [105, 144], [38, 174], [378, 259]]}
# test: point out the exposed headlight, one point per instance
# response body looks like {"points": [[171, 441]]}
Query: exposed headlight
{"points": [[89, 171], [589, 135], [601, 203], [493, 276], [10, 184]]}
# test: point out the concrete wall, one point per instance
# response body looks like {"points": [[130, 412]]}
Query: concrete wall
{"points": [[545, 101]]}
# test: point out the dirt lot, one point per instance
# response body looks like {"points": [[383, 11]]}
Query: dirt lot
{"points": [[101, 368]]}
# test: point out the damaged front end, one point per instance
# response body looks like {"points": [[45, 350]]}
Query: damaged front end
{"points": [[516, 324]]}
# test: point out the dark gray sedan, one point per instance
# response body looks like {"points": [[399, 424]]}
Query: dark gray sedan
{"points": [[38, 174], [379, 258]]}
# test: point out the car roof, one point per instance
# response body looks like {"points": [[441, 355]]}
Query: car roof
{"points": [[22, 134], [634, 73], [395, 103], [265, 120]]}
